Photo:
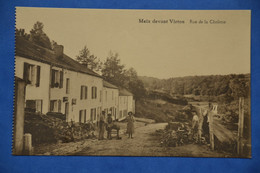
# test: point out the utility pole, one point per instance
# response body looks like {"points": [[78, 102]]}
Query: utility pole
{"points": [[240, 126], [211, 130]]}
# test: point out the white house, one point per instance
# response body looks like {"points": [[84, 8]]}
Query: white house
{"points": [[57, 83], [126, 103], [110, 99]]}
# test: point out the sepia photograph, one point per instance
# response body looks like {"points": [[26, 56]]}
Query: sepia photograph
{"points": [[110, 82]]}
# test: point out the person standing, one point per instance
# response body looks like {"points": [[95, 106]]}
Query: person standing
{"points": [[130, 124], [195, 125], [109, 125], [102, 126]]}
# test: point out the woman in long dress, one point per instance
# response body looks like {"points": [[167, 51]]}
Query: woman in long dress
{"points": [[130, 124]]}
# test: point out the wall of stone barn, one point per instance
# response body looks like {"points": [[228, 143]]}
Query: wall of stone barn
{"points": [[76, 81], [33, 92]]}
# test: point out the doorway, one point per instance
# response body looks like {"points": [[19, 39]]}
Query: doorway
{"points": [[67, 111]]}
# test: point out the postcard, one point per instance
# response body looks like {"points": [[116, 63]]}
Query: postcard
{"points": [[104, 82]]}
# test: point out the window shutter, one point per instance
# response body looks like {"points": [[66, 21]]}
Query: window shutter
{"points": [[51, 105], [85, 116], [38, 76], [86, 92], [91, 115], [80, 114], [81, 93], [52, 78], [95, 114], [92, 92], [61, 79], [25, 71], [100, 96], [67, 86], [59, 106]]}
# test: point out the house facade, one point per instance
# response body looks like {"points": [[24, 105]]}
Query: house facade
{"points": [[78, 97], [55, 83], [37, 88], [126, 103], [110, 99]]}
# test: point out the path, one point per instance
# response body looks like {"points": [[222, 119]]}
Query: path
{"points": [[141, 145], [144, 143]]}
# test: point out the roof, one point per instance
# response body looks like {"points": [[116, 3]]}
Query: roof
{"points": [[35, 52], [109, 85], [124, 92]]}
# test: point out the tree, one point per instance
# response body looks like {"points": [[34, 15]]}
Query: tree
{"points": [[21, 33], [38, 36], [113, 70], [89, 60], [133, 83], [239, 88]]}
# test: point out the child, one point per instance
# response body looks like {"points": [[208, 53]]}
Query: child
{"points": [[130, 125]]}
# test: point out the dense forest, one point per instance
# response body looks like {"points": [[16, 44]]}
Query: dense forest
{"points": [[221, 87]]}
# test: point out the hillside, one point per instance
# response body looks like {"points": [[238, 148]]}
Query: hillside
{"points": [[230, 86]]}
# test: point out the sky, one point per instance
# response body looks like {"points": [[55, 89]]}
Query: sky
{"points": [[161, 50]]}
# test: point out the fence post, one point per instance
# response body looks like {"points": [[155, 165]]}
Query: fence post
{"points": [[240, 126], [211, 131], [19, 116], [28, 149]]}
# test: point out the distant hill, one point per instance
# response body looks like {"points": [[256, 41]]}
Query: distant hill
{"points": [[232, 86]]}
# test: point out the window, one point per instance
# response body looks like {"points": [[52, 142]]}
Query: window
{"points": [[98, 114], [39, 106], [106, 95], [93, 114], [31, 74], [112, 111], [94, 92], [56, 79], [100, 96], [67, 86], [112, 95], [83, 92], [125, 113], [34, 106], [59, 105], [121, 114], [55, 105], [83, 116]]}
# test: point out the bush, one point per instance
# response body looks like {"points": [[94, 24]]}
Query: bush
{"points": [[52, 128]]}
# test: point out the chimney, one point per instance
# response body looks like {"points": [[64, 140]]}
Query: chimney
{"points": [[58, 51]]}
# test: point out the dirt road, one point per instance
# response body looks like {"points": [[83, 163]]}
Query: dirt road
{"points": [[144, 143], [141, 145]]}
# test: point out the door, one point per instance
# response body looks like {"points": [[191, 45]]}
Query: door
{"points": [[67, 111]]}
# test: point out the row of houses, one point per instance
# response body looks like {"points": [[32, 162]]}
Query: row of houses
{"points": [[57, 83]]}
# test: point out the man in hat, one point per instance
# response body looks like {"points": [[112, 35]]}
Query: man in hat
{"points": [[109, 125], [102, 126]]}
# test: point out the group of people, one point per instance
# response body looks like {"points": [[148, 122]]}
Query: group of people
{"points": [[200, 124], [107, 123]]}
